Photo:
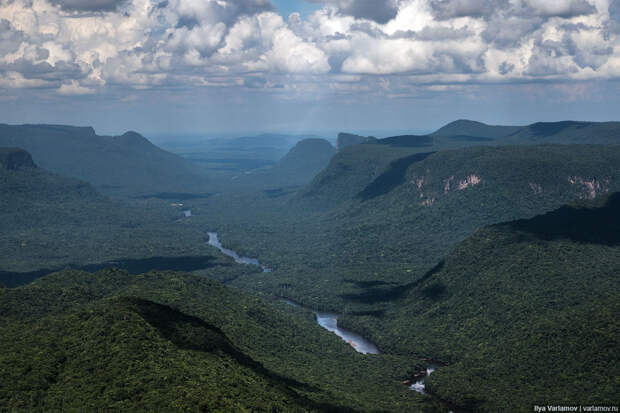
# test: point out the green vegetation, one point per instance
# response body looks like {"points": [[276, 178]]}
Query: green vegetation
{"points": [[50, 221], [520, 312], [381, 226], [307, 158], [524, 313], [173, 341]]}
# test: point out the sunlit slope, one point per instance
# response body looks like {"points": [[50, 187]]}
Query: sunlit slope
{"points": [[172, 341], [118, 164], [523, 313]]}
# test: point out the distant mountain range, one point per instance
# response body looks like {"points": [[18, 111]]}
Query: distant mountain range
{"points": [[471, 132], [114, 164]]}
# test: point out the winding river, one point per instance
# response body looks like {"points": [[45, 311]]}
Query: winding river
{"points": [[215, 242], [328, 321]]}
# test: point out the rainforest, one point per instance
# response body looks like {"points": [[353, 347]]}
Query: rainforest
{"points": [[309, 206]]}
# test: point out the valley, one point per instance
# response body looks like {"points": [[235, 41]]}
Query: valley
{"points": [[487, 255]]}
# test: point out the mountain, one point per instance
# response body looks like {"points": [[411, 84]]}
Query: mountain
{"points": [[569, 132], [15, 158], [377, 227], [173, 341], [470, 128], [307, 158], [349, 139], [522, 313], [407, 141], [23, 184], [349, 172], [51, 221], [118, 164], [564, 132]]}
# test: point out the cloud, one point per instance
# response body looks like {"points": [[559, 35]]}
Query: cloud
{"points": [[448, 9], [73, 88], [560, 8], [380, 11], [10, 39], [77, 47], [89, 5]]}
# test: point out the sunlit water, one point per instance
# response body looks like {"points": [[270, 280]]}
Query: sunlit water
{"points": [[329, 321], [215, 242]]}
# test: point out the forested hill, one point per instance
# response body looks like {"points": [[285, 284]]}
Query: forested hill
{"points": [[117, 164], [50, 221], [177, 342], [378, 231], [522, 313], [24, 184], [516, 173], [297, 168]]}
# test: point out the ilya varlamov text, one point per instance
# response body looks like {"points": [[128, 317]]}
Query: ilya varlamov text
{"points": [[550, 408]]}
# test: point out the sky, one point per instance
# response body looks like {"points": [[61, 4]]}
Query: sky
{"points": [[295, 66]]}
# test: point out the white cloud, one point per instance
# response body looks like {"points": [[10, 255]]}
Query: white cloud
{"points": [[74, 88], [75, 46]]}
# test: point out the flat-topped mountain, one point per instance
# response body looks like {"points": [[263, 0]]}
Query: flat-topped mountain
{"points": [[127, 163], [407, 141], [348, 139]]}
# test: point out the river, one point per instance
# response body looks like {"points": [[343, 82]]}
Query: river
{"points": [[215, 242], [328, 321]]}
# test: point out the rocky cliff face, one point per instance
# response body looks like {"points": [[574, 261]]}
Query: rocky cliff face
{"points": [[15, 158]]}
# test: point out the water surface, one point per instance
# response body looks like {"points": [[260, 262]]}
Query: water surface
{"points": [[329, 321], [215, 242]]}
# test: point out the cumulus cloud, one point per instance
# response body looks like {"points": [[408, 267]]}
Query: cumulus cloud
{"points": [[561, 8], [380, 11], [73, 88], [447, 9], [88, 5], [79, 46]]}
